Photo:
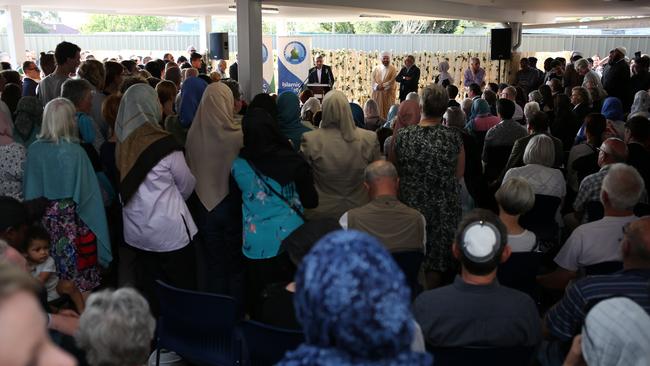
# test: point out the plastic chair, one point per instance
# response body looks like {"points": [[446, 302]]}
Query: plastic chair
{"points": [[472, 356], [520, 271], [200, 327], [265, 345], [409, 262], [603, 268], [541, 218]]}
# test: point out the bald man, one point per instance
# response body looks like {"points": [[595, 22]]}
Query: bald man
{"points": [[384, 84], [563, 321], [613, 150]]}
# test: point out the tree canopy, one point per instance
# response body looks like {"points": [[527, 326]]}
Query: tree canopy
{"points": [[123, 23]]}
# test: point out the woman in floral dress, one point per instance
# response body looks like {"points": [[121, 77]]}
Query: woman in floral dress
{"points": [[430, 161]]}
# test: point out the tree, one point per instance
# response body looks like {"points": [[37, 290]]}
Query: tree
{"points": [[42, 17], [392, 27], [30, 27], [339, 27], [123, 23]]}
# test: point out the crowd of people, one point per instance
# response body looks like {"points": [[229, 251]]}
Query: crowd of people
{"points": [[471, 217]]}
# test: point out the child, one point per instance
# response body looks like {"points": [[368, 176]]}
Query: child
{"points": [[42, 266]]}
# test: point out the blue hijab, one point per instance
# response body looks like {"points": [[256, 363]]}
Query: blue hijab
{"points": [[480, 107], [613, 109], [289, 118], [191, 93], [353, 303], [357, 115]]}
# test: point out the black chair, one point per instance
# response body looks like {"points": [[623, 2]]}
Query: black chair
{"points": [[199, 327], [265, 345], [409, 262], [497, 158], [541, 220], [471, 356], [520, 271], [603, 268]]}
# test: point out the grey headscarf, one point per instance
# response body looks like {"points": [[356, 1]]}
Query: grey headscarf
{"points": [[138, 106]]}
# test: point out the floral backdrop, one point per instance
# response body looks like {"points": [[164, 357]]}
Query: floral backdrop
{"points": [[352, 68]]}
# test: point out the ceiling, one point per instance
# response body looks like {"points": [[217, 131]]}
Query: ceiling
{"points": [[527, 11]]}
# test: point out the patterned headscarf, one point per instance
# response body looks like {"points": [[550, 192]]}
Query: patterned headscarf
{"points": [[353, 304], [29, 116]]}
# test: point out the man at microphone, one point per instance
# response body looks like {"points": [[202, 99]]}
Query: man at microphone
{"points": [[321, 74]]}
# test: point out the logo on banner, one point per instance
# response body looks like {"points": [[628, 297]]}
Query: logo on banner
{"points": [[265, 53], [295, 52]]}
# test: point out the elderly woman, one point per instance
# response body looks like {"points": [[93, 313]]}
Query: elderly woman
{"points": [[289, 118], [430, 160], [214, 132], [353, 303], [444, 78], [116, 328], [409, 114], [371, 115], [23, 331], [307, 112], [338, 153], [529, 109], [58, 169], [12, 161], [154, 184], [515, 197]]}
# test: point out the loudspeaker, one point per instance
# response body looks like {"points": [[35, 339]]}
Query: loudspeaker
{"points": [[219, 46], [501, 44]]}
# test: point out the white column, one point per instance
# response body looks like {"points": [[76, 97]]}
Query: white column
{"points": [[249, 46], [16, 34], [205, 27]]}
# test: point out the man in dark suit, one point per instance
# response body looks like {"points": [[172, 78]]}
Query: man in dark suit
{"points": [[321, 74], [233, 71], [408, 78]]}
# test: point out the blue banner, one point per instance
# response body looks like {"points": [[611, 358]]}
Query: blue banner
{"points": [[294, 61]]}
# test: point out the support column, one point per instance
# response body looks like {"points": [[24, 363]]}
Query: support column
{"points": [[516, 39], [15, 34], [205, 27], [249, 46]]}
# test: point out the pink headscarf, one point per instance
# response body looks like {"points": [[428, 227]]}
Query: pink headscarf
{"points": [[6, 130], [408, 115]]}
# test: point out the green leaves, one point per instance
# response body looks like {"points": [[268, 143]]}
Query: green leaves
{"points": [[123, 23]]}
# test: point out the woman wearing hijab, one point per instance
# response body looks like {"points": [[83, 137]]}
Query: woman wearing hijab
{"points": [[58, 169], [289, 118], [353, 304], [481, 119], [154, 184], [307, 112], [338, 152], [265, 102], [371, 115], [12, 160], [275, 184], [392, 115], [191, 93], [214, 133], [357, 115], [444, 78], [27, 124], [408, 115], [613, 111], [641, 104]]}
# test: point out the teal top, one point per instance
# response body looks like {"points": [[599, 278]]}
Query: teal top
{"points": [[267, 219], [62, 170]]}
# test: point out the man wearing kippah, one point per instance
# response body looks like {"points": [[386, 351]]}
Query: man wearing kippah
{"points": [[476, 311]]}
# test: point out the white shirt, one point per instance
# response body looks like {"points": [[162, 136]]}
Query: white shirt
{"points": [[519, 113], [594, 243], [318, 74], [156, 218], [542, 179], [52, 281], [524, 242]]}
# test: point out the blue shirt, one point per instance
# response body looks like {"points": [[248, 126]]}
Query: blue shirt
{"points": [[86, 127], [267, 219], [565, 319]]}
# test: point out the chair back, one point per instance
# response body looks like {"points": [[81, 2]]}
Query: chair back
{"points": [[603, 268], [497, 158], [200, 327], [520, 271], [541, 218], [471, 356], [265, 345], [409, 262]]}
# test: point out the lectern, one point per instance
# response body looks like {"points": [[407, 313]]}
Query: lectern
{"points": [[319, 90]]}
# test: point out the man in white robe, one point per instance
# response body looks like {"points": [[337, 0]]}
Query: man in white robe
{"points": [[384, 84]]}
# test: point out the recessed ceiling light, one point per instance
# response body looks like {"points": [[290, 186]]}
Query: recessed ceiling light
{"points": [[265, 10]]}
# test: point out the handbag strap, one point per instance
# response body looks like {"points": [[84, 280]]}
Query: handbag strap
{"points": [[281, 196]]}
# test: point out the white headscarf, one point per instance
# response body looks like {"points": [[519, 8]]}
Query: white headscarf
{"points": [[616, 333], [337, 114], [641, 103], [138, 106], [384, 54], [443, 66], [213, 142], [312, 105]]}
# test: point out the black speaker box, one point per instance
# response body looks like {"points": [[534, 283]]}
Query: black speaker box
{"points": [[501, 44], [219, 46]]}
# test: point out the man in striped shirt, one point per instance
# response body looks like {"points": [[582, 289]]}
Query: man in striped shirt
{"points": [[565, 319]]}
